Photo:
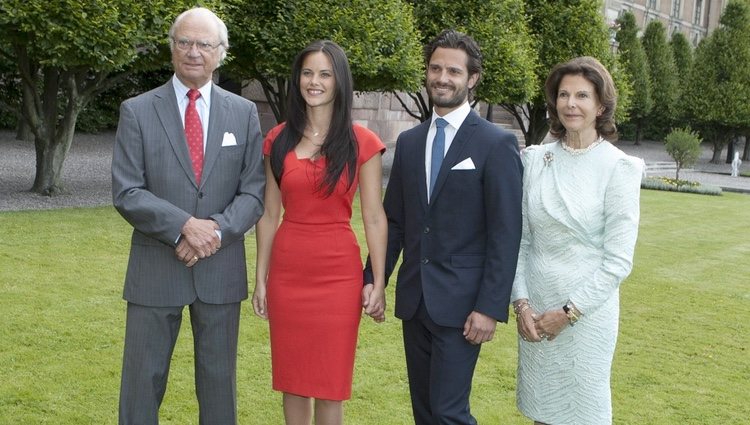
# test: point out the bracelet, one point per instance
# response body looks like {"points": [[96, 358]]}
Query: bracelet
{"points": [[523, 308], [572, 312]]}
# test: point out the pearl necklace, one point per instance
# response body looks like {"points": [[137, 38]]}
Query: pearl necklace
{"points": [[574, 151]]}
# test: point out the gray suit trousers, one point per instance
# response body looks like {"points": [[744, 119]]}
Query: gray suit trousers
{"points": [[150, 336]]}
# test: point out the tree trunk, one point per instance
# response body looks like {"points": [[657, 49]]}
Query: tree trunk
{"points": [[746, 151], [638, 129], [52, 114], [538, 126], [718, 147], [730, 150], [488, 116], [50, 156], [23, 131]]}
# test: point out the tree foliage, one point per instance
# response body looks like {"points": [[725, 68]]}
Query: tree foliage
{"points": [[500, 28], [563, 30], [68, 51], [379, 37], [717, 102], [683, 54], [684, 146], [664, 84], [635, 64], [683, 59]]}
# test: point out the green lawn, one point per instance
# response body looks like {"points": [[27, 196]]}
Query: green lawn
{"points": [[682, 356]]}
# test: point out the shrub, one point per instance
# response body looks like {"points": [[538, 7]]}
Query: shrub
{"points": [[676, 185], [684, 146]]}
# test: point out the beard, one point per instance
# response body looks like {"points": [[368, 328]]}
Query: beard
{"points": [[459, 96]]}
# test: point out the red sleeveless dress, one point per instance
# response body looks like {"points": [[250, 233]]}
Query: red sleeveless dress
{"points": [[315, 278]]}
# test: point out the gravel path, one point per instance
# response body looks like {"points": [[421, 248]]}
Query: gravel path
{"points": [[86, 172]]}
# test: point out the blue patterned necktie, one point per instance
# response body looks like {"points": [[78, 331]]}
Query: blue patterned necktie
{"points": [[438, 151]]}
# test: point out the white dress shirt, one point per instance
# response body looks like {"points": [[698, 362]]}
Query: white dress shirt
{"points": [[455, 118], [202, 104]]}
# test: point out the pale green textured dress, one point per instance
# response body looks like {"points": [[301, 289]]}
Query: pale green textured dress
{"points": [[581, 214]]}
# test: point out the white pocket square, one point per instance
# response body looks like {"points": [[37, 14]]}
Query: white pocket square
{"points": [[228, 140], [466, 164]]}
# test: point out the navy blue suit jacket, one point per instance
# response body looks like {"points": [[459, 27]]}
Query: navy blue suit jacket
{"points": [[460, 250]]}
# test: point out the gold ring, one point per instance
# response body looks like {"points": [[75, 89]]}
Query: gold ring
{"points": [[195, 258]]}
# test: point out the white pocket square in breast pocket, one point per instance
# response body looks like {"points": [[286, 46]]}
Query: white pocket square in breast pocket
{"points": [[228, 140], [466, 164]]}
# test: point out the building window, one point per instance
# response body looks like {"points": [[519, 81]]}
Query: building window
{"points": [[698, 12], [676, 7], [651, 4]]}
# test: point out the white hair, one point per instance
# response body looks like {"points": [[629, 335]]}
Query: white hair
{"points": [[221, 28]]}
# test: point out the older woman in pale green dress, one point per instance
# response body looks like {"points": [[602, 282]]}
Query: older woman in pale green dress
{"points": [[581, 211]]}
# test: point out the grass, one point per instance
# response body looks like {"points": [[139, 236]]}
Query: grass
{"points": [[682, 355]]}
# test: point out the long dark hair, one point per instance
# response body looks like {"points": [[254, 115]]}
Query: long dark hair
{"points": [[340, 145], [593, 71]]}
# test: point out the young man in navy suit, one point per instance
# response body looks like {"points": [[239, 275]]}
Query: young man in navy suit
{"points": [[453, 203]]}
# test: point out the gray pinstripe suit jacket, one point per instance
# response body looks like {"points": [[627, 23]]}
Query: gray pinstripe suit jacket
{"points": [[154, 189]]}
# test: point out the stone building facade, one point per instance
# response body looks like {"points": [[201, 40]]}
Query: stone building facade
{"points": [[694, 18]]}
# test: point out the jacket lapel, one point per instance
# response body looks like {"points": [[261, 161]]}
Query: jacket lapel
{"points": [[165, 105], [420, 152], [463, 135]]}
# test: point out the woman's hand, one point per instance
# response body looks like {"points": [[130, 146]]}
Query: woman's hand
{"points": [[259, 300], [551, 323], [373, 301], [525, 323]]}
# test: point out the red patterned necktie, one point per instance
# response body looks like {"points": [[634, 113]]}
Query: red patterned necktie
{"points": [[194, 134]]}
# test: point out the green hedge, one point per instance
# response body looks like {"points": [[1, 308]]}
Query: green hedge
{"points": [[674, 185]]}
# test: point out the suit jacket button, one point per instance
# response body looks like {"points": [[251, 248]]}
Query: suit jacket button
{"points": [[425, 260], [427, 229], [200, 195]]}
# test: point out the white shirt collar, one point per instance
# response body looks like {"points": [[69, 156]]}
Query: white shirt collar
{"points": [[180, 90], [455, 117]]}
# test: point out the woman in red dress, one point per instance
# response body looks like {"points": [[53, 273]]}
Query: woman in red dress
{"points": [[309, 268]]}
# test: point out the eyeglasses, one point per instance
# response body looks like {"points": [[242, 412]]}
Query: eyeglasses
{"points": [[185, 44]]}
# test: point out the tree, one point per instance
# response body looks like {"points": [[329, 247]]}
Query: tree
{"points": [[68, 51], [684, 146], [8, 90], [717, 102], [379, 38], [563, 30], [683, 54], [663, 74], [634, 62], [683, 59], [500, 29]]}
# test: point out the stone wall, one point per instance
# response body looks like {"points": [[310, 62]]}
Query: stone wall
{"points": [[380, 112]]}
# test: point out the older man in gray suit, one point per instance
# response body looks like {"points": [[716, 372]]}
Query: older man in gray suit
{"points": [[187, 174]]}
